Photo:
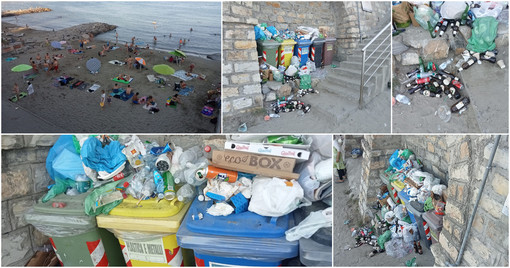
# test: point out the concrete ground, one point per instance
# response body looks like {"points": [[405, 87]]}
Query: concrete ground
{"points": [[487, 87], [326, 109], [346, 208]]}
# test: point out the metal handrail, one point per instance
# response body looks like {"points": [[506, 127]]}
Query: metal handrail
{"points": [[364, 59]]}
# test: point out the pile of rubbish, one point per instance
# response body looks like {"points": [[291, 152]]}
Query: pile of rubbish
{"points": [[298, 54], [432, 81], [398, 226]]}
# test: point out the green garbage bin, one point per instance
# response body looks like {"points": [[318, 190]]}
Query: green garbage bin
{"points": [[75, 237], [268, 50]]}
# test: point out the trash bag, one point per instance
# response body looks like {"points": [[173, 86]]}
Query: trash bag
{"points": [[294, 61], [310, 225], [452, 10], [272, 30], [277, 76], [90, 201], [382, 239], [400, 14], [396, 161], [291, 71], [60, 186], [323, 170], [65, 226], [63, 161], [399, 211], [306, 82], [423, 14], [488, 8], [134, 151], [428, 204], [99, 158], [398, 248], [275, 197], [259, 33], [483, 35]]}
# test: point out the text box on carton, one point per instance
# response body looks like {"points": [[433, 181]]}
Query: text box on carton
{"points": [[271, 166]]}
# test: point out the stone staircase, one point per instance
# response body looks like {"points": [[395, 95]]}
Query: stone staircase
{"points": [[339, 91]]}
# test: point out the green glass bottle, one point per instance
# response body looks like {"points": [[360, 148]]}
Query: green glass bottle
{"points": [[431, 30]]}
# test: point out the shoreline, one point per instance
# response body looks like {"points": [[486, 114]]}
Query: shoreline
{"points": [[11, 13], [78, 111]]}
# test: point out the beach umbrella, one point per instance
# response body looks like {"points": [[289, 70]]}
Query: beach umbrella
{"points": [[93, 65], [21, 68], [140, 60], [56, 44], [163, 69], [178, 53]]}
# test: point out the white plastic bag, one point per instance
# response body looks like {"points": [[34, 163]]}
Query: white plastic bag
{"points": [[275, 197], [310, 225], [453, 9], [291, 71], [220, 209], [134, 151], [323, 170], [294, 61]]}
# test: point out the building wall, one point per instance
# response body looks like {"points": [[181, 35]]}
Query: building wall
{"points": [[24, 181], [241, 80]]}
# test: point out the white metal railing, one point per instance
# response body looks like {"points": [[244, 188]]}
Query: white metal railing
{"points": [[385, 54]]}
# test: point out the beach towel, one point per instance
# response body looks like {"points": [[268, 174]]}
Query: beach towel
{"points": [[29, 76], [76, 84], [181, 74], [21, 96], [151, 78], [117, 62], [94, 87], [10, 59], [125, 97], [122, 81], [186, 91], [117, 95], [171, 104]]}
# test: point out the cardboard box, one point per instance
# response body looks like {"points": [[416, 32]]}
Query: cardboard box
{"points": [[274, 150], [270, 166]]}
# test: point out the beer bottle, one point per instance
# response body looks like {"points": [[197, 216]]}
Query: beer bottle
{"points": [[412, 73], [444, 25], [431, 30], [438, 25], [455, 27], [464, 16], [468, 63], [422, 67], [460, 106], [415, 88]]}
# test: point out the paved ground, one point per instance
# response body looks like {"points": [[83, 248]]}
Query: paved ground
{"points": [[346, 208], [485, 84]]}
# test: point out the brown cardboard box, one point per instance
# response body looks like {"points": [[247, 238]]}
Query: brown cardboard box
{"points": [[265, 165]]}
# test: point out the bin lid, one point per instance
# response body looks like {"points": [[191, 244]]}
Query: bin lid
{"points": [[433, 220], [303, 42], [221, 242], [159, 223], [319, 41], [288, 42], [74, 205], [246, 224], [268, 43]]}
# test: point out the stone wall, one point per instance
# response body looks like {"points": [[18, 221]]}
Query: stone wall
{"points": [[351, 142], [351, 30], [241, 80], [488, 241], [377, 150], [24, 181], [432, 152]]}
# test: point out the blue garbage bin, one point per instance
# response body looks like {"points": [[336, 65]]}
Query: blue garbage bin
{"points": [[302, 50], [244, 239]]}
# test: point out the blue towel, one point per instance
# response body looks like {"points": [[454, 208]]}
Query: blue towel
{"points": [[125, 97], [185, 91]]}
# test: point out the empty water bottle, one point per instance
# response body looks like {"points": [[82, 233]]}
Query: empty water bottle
{"points": [[186, 193], [403, 99], [445, 64], [190, 155]]}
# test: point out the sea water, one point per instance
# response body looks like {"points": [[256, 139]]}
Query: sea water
{"points": [[143, 20]]}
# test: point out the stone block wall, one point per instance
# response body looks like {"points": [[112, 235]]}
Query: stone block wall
{"points": [[24, 181], [433, 153], [351, 30], [488, 241], [377, 150], [351, 142]]}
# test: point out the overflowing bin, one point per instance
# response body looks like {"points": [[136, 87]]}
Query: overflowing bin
{"points": [[243, 239], [317, 51], [146, 231], [268, 50], [301, 50], [75, 236], [286, 52], [329, 50], [434, 225]]}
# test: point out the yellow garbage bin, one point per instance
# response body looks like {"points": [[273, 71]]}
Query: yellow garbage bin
{"points": [[285, 52], [146, 231]]}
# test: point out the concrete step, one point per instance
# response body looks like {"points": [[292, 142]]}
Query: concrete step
{"points": [[330, 107], [344, 90]]}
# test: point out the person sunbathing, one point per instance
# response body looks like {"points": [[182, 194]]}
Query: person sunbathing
{"points": [[135, 98], [124, 77]]}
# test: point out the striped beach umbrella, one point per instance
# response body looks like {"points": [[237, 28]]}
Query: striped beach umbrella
{"points": [[93, 65], [140, 60]]}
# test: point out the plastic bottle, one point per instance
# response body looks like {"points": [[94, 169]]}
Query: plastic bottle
{"points": [[135, 186], [186, 193], [445, 64], [190, 155], [169, 192], [163, 163], [424, 75], [160, 184], [148, 189], [189, 172], [403, 99]]}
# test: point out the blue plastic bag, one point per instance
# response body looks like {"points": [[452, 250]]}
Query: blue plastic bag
{"points": [[259, 34], [63, 161], [396, 161], [99, 158], [272, 30]]}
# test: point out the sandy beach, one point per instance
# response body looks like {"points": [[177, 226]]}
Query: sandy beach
{"points": [[53, 109]]}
